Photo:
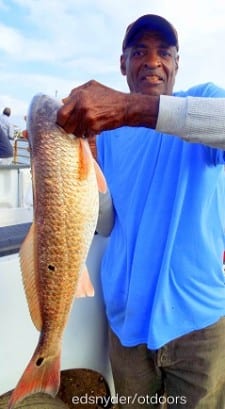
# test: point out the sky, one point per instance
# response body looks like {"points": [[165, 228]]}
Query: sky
{"points": [[52, 46]]}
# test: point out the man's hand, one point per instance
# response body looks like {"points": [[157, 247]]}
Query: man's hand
{"points": [[92, 108]]}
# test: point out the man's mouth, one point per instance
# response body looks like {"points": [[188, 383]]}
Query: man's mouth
{"points": [[152, 79]]}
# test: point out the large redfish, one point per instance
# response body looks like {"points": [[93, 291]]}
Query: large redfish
{"points": [[53, 254]]}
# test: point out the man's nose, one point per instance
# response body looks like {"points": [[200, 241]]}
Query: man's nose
{"points": [[152, 60]]}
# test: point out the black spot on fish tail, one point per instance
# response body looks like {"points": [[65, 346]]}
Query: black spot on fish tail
{"points": [[39, 361]]}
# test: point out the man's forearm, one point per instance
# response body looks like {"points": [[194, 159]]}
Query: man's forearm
{"points": [[141, 110], [194, 119]]}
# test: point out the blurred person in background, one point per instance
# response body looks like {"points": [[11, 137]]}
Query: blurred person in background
{"points": [[6, 135]]}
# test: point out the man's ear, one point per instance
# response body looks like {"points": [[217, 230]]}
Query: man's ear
{"points": [[123, 64]]}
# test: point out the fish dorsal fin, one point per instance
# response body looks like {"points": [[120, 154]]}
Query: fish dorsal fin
{"points": [[84, 285], [86, 159], [30, 277]]}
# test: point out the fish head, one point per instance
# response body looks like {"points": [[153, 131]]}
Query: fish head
{"points": [[41, 119]]}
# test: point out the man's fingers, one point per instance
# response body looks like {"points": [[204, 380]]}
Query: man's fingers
{"points": [[65, 113], [70, 120]]}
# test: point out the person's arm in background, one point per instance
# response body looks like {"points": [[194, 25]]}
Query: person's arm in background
{"points": [[11, 132]]}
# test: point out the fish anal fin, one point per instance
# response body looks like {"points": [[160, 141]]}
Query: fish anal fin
{"points": [[30, 277], [84, 286], [43, 377]]}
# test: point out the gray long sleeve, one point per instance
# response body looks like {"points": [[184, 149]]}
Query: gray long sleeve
{"points": [[106, 214], [194, 119]]}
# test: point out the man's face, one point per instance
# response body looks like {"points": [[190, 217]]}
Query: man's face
{"points": [[150, 65]]}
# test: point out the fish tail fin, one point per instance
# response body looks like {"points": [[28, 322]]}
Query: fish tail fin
{"points": [[41, 375]]}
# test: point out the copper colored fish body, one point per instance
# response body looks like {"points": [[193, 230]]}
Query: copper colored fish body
{"points": [[54, 252]]}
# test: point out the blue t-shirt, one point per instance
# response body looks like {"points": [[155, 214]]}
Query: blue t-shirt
{"points": [[162, 270]]}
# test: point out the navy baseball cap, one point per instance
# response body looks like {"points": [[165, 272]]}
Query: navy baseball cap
{"points": [[151, 22]]}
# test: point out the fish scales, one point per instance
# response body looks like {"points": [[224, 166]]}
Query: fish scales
{"points": [[64, 202], [53, 254]]}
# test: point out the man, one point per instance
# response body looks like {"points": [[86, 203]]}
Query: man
{"points": [[162, 275], [6, 133]]}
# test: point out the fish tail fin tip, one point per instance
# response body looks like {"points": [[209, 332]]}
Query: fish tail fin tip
{"points": [[39, 376]]}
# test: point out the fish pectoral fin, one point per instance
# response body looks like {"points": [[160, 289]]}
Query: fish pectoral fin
{"points": [[102, 185], [86, 159], [30, 277], [84, 285]]}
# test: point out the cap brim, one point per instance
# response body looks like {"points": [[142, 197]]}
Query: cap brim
{"points": [[151, 23]]}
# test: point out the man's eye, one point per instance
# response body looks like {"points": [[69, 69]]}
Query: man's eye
{"points": [[137, 53], [164, 53]]}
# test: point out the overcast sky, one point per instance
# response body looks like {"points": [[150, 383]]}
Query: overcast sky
{"points": [[52, 46]]}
